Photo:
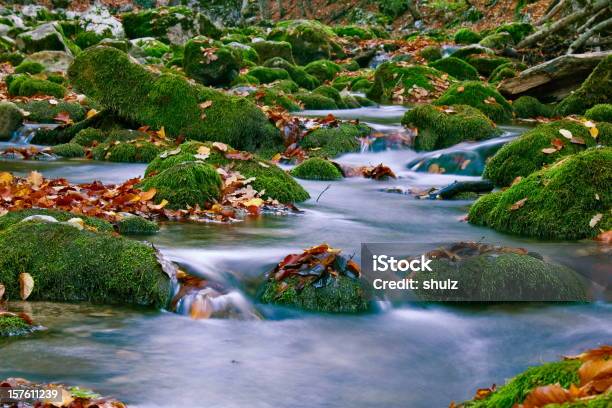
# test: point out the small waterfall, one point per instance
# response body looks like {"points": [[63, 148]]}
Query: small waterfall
{"points": [[26, 133]]}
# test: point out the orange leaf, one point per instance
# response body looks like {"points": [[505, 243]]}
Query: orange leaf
{"points": [[518, 204], [148, 195], [548, 394]]}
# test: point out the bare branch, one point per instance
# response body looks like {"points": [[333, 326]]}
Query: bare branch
{"points": [[552, 12], [588, 34], [591, 20]]}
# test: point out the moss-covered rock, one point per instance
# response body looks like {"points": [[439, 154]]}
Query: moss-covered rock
{"points": [[466, 36], [170, 101], [524, 155], [439, 128], [68, 150], [601, 113], [562, 201], [275, 97], [506, 70], [210, 65], [479, 96], [11, 119], [517, 30], [272, 49], [13, 58], [266, 75], [316, 169], [331, 93], [89, 136], [389, 76], [456, 67], [316, 101], [310, 40], [298, 74], [13, 326], [45, 112], [596, 89], [269, 177], [564, 373], [29, 67], [24, 85], [530, 107], [68, 264], [152, 47], [323, 70], [486, 64], [47, 36], [497, 41], [136, 225], [246, 52], [431, 53], [14, 217], [138, 151], [333, 141]]}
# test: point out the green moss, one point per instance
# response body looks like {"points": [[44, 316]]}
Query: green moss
{"points": [[316, 169], [170, 101], [245, 79], [479, 96], [298, 74], [514, 392], [136, 225], [219, 66], [466, 36], [497, 41], [86, 39], [361, 85], [152, 47], [266, 75], [596, 89], [354, 31], [275, 97], [331, 93], [323, 70], [72, 265], [44, 112], [344, 295], [276, 182], [13, 58], [29, 67], [502, 72], [26, 86], [530, 107], [14, 217], [11, 119], [456, 67], [271, 49], [601, 113], [287, 86], [485, 64], [523, 156], [125, 135], [13, 326], [561, 200], [331, 142], [517, 31], [88, 136], [68, 150], [431, 53], [390, 76], [310, 40], [140, 151], [439, 129], [600, 401], [316, 101]]}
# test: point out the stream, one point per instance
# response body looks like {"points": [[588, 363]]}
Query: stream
{"points": [[402, 355]]}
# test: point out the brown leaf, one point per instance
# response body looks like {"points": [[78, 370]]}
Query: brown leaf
{"points": [[63, 117], [26, 285], [460, 89], [2, 290], [548, 394], [577, 140], [148, 195], [518, 204], [35, 179], [201, 307]]}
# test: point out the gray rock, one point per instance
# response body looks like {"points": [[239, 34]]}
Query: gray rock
{"points": [[54, 61], [45, 37]]}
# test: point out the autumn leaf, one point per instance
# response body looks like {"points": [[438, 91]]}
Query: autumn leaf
{"points": [[91, 113], [239, 156], [35, 179], [256, 202], [548, 394], [577, 140], [549, 150], [63, 117], [557, 143], [2, 290], [159, 206], [161, 133], [594, 132], [26, 285], [148, 195], [589, 124], [566, 133], [205, 105], [595, 220], [518, 204], [222, 147], [173, 152], [6, 178], [460, 89], [203, 153], [605, 237]]}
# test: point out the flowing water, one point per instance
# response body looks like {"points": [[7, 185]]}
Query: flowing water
{"points": [[402, 355]]}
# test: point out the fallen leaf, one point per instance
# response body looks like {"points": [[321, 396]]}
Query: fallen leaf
{"points": [[206, 104], [594, 132], [577, 140], [161, 133], [589, 124], [549, 150], [605, 237], [596, 218], [6, 178], [566, 133], [518, 204], [460, 89], [35, 178], [548, 394], [26, 285], [159, 206], [203, 153], [63, 117], [557, 143], [2, 290], [220, 146], [170, 153], [257, 202], [148, 195], [91, 113]]}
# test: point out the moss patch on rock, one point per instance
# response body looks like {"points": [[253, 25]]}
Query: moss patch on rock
{"points": [[530, 107], [323, 70], [456, 67], [272, 49], [439, 128], [68, 150], [136, 225], [68, 264], [466, 36], [11, 119], [389, 76], [334, 141], [44, 112], [266, 75], [316, 101], [601, 113], [316, 169], [479, 96], [13, 326], [558, 202], [211, 65], [309, 39]]}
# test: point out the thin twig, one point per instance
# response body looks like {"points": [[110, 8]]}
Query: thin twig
{"points": [[321, 193]]}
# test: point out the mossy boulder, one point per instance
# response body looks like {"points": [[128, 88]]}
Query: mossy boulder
{"points": [[13, 326], [137, 151], [136, 225], [517, 30], [431, 53], [497, 41], [25, 85], [315, 101], [569, 200], [323, 70], [479, 96], [486, 64], [170, 101], [530, 107], [354, 31], [298, 74], [246, 52], [316, 169], [456, 67], [68, 264], [152, 47], [266, 75], [601, 113], [523, 155], [472, 49], [172, 25], [443, 127], [89, 136], [466, 36], [272, 49], [13, 58], [29, 67], [47, 36], [506, 70], [333, 141], [11, 119], [210, 65], [309, 39], [596, 89], [390, 76], [68, 150], [514, 392], [45, 112], [331, 93], [276, 183]]}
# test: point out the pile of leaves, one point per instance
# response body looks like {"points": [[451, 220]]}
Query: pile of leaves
{"points": [[71, 397], [110, 201], [318, 266]]}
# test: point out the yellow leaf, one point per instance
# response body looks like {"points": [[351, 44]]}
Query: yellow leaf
{"points": [[159, 206], [6, 178], [91, 113], [35, 178], [148, 195], [161, 133], [594, 132], [26, 285], [257, 202]]}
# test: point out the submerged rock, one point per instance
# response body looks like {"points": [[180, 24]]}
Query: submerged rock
{"points": [[13, 325]]}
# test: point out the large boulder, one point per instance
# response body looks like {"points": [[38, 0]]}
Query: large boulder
{"points": [[71, 263], [193, 111], [11, 119], [309, 39], [46, 37], [569, 200], [479, 96], [273, 49], [211, 65]]}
